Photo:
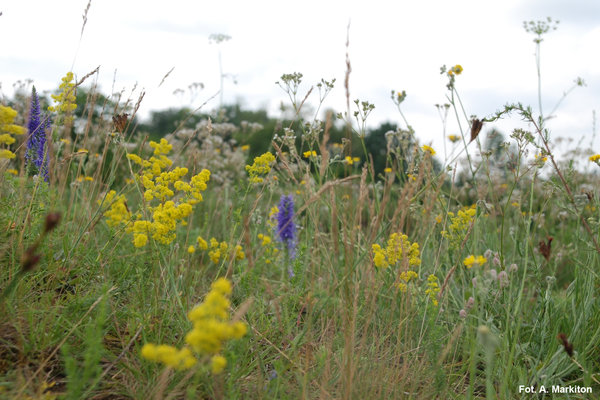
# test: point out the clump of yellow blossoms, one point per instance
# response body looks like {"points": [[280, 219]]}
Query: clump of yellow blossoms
{"points": [[405, 277], [351, 160], [433, 288], [65, 100], [471, 260], [453, 138], [7, 129], [218, 251], [459, 224], [308, 154], [212, 327], [118, 213], [260, 167], [456, 70], [268, 246], [399, 250], [160, 185], [272, 221]]}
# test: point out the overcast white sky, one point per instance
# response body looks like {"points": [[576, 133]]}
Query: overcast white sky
{"points": [[393, 45]]}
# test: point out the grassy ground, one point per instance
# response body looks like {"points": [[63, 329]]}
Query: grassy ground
{"points": [[419, 282]]}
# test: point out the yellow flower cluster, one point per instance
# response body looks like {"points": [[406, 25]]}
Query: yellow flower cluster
{"points": [[269, 248], [459, 225], [428, 150], [65, 100], [161, 185], [456, 70], [540, 159], [211, 329], [311, 153], [595, 158], [399, 249], [472, 260], [261, 166], [7, 129], [433, 288], [118, 213], [169, 355], [405, 277], [453, 138], [351, 160], [272, 221], [218, 251]]}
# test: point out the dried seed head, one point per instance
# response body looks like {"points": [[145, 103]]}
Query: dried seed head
{"points": [[565, 342], [30, 259], [52, 220]]}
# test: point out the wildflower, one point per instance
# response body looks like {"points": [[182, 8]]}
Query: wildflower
{"points": [[428, 150], [202, 243], [471, 260], [169, 355], [308, 154], [191, 250], [286, 228], [503, 279], [65, 100], [406, 277], [456, 70], [119, 213], [595, 158], [7, 117], [462, 313], [398, 249], [513, 268], [540, 160], [12, 171], [218, 364], [6, 154], [349, 160], [261, 166], [245, 147], [400, 96], [387, 170], [5, 138], [36, 156], [433, 288], [453, 138], [211, 328], [459, 225]]}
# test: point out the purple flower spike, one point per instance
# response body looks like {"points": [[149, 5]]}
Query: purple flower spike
{"points": [[286, 228], [36, 157]]}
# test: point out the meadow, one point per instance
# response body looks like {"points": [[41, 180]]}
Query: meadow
{"points": [[188, 264]]}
